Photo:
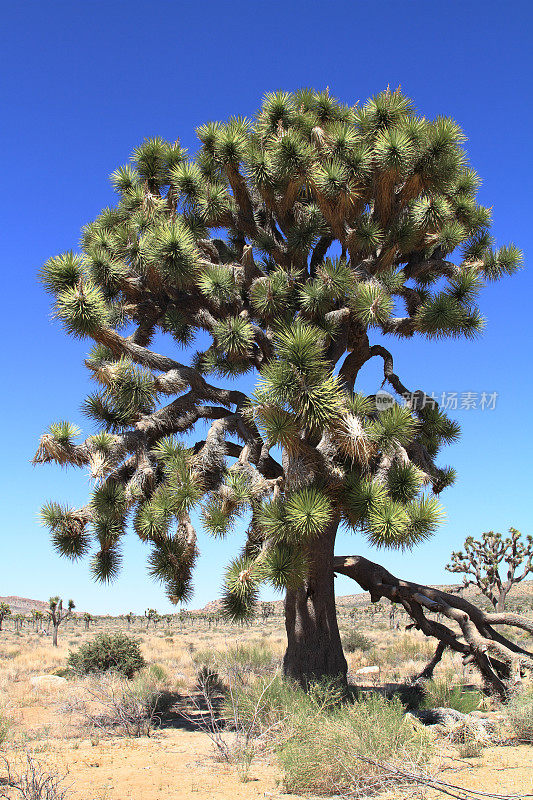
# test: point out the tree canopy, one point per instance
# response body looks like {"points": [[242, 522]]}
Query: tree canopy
{"points": [[290, 245]]}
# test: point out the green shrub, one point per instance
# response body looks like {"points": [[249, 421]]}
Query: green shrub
{"points": [[519, 712], [442, 694], [108, 652], [270, 703], [356, 641], [209, 681], [325, 743], [340, 750]]}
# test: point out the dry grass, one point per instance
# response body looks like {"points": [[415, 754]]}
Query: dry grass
{"points": [[36, 722]]}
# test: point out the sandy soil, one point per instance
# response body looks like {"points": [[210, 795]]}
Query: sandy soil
{"points": [[175, 762]]}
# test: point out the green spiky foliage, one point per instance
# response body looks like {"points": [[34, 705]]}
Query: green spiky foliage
{"points": [[282, 248]]}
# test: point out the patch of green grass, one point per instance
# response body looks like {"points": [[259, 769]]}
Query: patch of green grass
{"points": [[253, 657], [442, 694], [157, 673], [326, 742]]}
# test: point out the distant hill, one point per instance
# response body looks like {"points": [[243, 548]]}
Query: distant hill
{"points": [[519, 592], [23, 605]]}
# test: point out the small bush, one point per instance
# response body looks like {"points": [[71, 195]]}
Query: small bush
{"points": [[35, 781], [470, 749], [114, 705], [356, 641], [441, 694], [519, 712], [352, 748], [108, 652], [209, 681], [469, 734], [157, 672]]}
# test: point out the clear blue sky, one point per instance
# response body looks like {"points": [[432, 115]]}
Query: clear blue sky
{"points": [[85, 82]]}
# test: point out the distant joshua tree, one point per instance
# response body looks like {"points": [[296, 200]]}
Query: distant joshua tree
{"points": [[267, 611], [18, 621], [130, 616], [37, 619], [5, 611], [58, 614], [151, 615], [87, 618], [483, 558]]}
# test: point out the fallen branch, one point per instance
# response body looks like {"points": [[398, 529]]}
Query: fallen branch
{"points": [[500, 661], [449, 789]]}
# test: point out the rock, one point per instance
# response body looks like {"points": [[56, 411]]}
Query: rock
{"points": [[47, 681], [367, 671], [449, 716], [438, 716]]}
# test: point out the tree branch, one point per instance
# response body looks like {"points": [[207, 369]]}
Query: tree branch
{"points": [[478, 638]]}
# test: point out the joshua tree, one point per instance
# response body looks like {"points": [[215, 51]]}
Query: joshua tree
{"points": [[151, 616], [87, 618], [130, 616], [58, 614], [267, 611], [291, 245], [483, 559], [18, 621], [5, 611], [37, 617]]}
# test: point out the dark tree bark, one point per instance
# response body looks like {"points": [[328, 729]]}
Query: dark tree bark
{"points": [[314, 649], [427, 672]]}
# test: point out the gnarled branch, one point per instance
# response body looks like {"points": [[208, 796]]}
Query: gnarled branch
{"points": [[499, 660]]}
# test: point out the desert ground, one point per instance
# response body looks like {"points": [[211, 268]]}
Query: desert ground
{"points": [[48, 720]]}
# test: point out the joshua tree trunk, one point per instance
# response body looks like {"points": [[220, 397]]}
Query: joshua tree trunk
{"points": [[314, 648], [54, 635], [502, 597]]}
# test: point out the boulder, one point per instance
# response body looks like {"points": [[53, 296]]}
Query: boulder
{"points": [[47, 681], [367, 671]]}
